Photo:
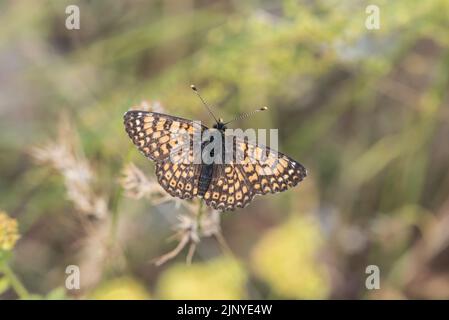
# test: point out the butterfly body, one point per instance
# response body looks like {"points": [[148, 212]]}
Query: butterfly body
{"points": [[223, 186], [207, 170]]}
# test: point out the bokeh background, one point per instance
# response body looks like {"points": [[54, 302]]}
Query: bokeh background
{"points": [[366, 111]]}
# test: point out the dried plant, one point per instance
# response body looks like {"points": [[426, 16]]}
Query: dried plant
{"points": [[195, 223], [137, 185], [145, 105], [66, 156], [190, 230]]}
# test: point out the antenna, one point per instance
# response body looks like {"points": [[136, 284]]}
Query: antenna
{"points": [[247, 114], [204, 102]]}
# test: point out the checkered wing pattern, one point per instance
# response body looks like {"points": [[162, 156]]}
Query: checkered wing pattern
{"points": [[158, 135], [229, 188], [178, 179], [259, 171], [267, 170], [168, 141]]}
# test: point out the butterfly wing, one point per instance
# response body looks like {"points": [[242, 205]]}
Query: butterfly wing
{"points": [[260, 171], [267, 170], [168, 141], [179, 180], [157, 134], [229, 188]]}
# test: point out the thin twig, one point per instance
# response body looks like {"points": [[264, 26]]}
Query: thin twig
{"points": [[199, 216], [190, 254], [223, 244], [170, 255]]}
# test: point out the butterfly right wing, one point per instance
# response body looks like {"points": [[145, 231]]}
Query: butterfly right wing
{"points": [[268, 170], [229, 189], [259, 171]]}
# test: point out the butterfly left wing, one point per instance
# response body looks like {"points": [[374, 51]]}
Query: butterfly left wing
{"points": [[157, 135], [168, 141]]}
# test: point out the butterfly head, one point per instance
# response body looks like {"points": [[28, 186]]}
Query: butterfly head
{"points": [[220, 125]]}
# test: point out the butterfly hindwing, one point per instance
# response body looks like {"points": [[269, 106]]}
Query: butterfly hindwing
{"points": [[178, 179], [228, 189], [266, 170]]}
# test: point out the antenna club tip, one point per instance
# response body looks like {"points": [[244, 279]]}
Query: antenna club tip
{"points": [[263, 108], [192, 86]]}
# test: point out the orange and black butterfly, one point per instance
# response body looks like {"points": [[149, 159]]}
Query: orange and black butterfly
{"points": [[223, 186]]}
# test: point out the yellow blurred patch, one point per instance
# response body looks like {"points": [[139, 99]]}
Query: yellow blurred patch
{"points": [[285, 258], [9, 232], [221, 278], [125, 288]]}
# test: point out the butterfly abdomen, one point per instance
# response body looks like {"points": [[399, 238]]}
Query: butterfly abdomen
{"points": [[207, 170], [205, 179]]}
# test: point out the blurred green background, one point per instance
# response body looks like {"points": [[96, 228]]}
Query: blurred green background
{"points": [[366, 111]]}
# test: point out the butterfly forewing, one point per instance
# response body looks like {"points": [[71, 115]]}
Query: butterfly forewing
{"points": [[156, 134]]}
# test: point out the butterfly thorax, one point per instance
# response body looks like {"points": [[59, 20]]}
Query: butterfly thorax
{"points": [[220, 125]]}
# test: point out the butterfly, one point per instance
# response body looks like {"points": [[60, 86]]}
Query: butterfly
{"points": [[223, 186]]}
